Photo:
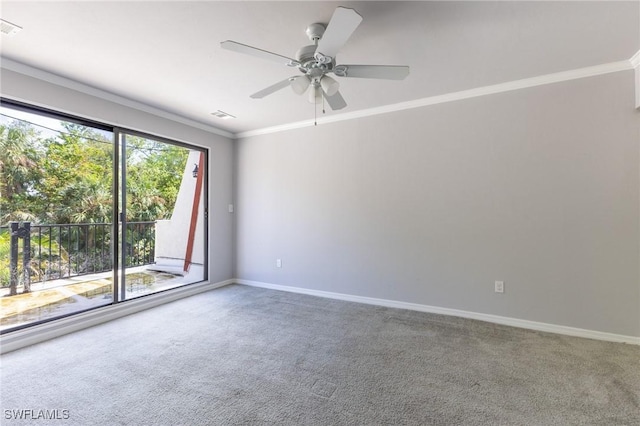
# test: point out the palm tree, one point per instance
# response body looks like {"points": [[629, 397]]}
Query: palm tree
{"points": [[19, 169]]}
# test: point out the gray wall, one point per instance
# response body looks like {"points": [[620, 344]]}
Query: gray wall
{"points": [[21, 87], [538, 187]]}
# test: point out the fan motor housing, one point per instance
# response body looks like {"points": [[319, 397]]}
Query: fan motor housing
{"points": [[305, 53], [308, 63]]}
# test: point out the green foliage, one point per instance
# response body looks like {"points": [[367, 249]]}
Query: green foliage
{"points": [[77, 178], [4, 258], [154, 174], [42, 260], [20, 152], [67, 178]]}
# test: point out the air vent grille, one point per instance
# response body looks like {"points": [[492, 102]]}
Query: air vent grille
{"points": [[222, 115], [8, 28]]}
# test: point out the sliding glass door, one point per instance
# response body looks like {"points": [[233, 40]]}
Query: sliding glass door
{"points": [[162, 215], [56, 205], [92, 215]]}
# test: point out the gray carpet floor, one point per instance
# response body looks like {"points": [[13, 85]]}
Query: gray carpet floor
{"points": [[240, 355]]}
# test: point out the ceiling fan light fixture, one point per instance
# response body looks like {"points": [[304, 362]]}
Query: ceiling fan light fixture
{"points": [[300, 84], [315, 95], [315, 61], [329, 85]]}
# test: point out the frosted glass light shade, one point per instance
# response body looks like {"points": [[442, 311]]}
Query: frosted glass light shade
{"points": [[300, 84], [329, 85]]}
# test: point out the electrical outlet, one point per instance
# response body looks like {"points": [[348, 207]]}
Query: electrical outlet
{"points": [[499, 286], [278, 263]]}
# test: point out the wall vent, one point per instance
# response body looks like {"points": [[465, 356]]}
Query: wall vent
{"points": [[8, 28], [222, 115]]}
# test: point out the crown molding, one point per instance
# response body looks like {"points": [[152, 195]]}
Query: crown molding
{"points": [[612, 67], [454, 96], [58, 80]]}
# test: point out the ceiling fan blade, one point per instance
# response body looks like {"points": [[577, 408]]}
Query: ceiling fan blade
{"points": [[273, 88], [254, 51], [342, 24], [336, 101], [386, 72]]}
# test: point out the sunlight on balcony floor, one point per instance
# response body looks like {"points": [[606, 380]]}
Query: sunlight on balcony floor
{"points": [[61, 297]]}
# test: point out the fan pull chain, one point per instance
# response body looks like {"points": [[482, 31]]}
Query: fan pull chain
{"points": [[323, 111], [315, 113]]}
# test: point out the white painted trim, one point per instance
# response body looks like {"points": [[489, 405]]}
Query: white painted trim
{"points": [[49, 330], [635, 63], [637, 71], [575, 74], [454, 96], [102, 94], [513, 322], [635, 60]]}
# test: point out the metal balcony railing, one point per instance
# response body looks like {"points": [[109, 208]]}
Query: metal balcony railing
{"points": [[55, 251]]}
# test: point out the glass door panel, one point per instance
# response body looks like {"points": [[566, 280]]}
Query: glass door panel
{"points": [[91, 215], [56, 204], [162, 221]]}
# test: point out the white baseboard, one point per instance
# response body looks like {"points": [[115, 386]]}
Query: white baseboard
{"points": [[514, 322], [42, 332], [49, 330]]}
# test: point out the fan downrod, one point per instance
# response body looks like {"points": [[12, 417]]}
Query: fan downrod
{"points": [[311, 63]]}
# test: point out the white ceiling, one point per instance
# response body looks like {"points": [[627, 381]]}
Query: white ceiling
{"points": [[167, 54]]}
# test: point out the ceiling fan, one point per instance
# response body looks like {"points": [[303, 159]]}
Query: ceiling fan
{"points": [[319, 59]]}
